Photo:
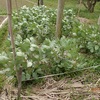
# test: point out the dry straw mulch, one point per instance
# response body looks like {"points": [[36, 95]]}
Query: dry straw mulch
{"points": [[64, 89]]}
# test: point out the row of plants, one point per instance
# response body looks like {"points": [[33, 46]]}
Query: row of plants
{"points": [[49, 57], [88, 39], [40, 53], [40, 22]]}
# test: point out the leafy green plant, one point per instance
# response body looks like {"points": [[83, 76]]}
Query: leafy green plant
{"points": [[39, 53], [88, 40], [40, 22], [52, 56], [36, 21], [68, 22]]}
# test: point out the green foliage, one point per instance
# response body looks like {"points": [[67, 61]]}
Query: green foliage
{"points": [[37, 21], [37, 60], [68, 22], [40, 22], [39, 53], [3, 32], [88, 40]]}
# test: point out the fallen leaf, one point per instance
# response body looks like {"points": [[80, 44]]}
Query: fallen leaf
{"points": [[95, 90]]}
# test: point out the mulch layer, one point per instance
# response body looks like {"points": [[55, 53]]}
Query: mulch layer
{"points": [[64, 89]]}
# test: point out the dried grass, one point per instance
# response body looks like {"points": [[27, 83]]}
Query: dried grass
{"points": [[64, 89]]}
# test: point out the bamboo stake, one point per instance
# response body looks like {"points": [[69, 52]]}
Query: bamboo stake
{"points": [[79, 8], [9, 12], [99, 22], [59, 18], [18, 71]]}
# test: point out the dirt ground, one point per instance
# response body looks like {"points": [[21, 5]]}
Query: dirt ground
{"points": [[86, 87]]}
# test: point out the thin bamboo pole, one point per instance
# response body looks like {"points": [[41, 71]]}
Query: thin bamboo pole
{"points": [[9, 12], [79, 7], [59, 18], [18, 71], [99, 22]]}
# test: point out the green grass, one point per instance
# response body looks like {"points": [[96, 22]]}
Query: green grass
{"points": [[2, 78], [73, 4], [3, 45], [20, 3], [53, 4], [3, 33]]}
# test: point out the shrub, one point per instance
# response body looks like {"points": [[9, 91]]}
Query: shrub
{"points": [[88, 40], [49, 57], [40, 22]]}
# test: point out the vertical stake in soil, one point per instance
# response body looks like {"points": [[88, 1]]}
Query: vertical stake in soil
{"points": [[99, 22], [59, 18], [9, 11], [18, 71], [79, 8]]}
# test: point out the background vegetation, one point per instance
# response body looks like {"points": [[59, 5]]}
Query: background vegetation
{"points": [[53, 3]]}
